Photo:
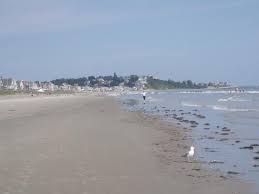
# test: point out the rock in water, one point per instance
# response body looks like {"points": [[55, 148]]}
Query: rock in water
{"points": [[247, 147], [233, 172]]}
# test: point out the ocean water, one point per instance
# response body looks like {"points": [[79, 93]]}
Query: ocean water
{"points": [[224, 125]]}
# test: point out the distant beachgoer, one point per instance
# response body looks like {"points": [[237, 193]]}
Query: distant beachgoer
{"points": [[144, 95]]}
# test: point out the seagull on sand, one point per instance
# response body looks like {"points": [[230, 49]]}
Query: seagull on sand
{"points": [[190, 154]]}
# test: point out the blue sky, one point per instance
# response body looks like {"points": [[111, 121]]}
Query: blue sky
{"points": [[202, 40]]}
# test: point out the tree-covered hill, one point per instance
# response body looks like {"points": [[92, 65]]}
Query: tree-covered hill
{"points": [[128, 81]]}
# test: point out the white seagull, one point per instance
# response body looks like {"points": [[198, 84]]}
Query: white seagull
{"points": [[190, 153]]}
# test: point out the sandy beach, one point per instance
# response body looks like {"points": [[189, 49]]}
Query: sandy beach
{"points": [[89, 145]]}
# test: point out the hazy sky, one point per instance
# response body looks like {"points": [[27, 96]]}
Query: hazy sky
{"points": [[201, 40]]}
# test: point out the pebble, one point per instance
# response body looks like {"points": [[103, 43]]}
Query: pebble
{"points": [[247, 147], [224, 134], [233, 172], [223, 139]]}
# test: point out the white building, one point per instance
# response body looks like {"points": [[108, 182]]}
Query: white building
{"points": [[33, 86], [20, 85], [48, 86], [77, 88], [10, 84], [65, 87]]}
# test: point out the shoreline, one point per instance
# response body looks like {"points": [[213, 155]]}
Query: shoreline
{"points": [[75, 144], [220, 138], [171, 142]]}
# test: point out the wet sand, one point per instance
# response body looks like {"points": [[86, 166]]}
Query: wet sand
{"points": [[88, 145]]}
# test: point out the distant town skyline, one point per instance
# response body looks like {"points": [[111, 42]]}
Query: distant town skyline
{"points": [[183, 40]]}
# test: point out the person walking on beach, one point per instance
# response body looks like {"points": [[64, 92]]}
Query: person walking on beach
{"points": [[144, 96]]}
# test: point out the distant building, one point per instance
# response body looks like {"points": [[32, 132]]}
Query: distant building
{"points": [[26, 85], [9, 84], [20, 85], [65, 87], [48, 86], [88, 88], [1, 83], [76, 88]]}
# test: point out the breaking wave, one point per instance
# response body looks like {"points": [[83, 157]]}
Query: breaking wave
{"points": [[233, 99], [219, 92], [223, 108], [190, 104]]}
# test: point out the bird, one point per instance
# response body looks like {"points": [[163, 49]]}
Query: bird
{"points": [[190, 153]]}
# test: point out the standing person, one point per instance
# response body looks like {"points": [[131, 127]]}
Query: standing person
{"points": [[144, 96]]}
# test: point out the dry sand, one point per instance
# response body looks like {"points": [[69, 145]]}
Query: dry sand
{"points": [[88, 145]]}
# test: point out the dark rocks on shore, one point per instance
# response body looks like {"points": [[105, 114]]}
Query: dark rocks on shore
{"points": [[194, 123], [233, 172], [196, 169], [193, 126], [226, 129], [247, 147], [257, 152], [206, 128], [211, 138], [254, 145], [223, 139], [218, 127], [185, 121], [207, 124], [224, 134], [179, 118], [167, 110], [195, 110], [223, 177], [201, 116], [237, 141], [256, 158]]}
